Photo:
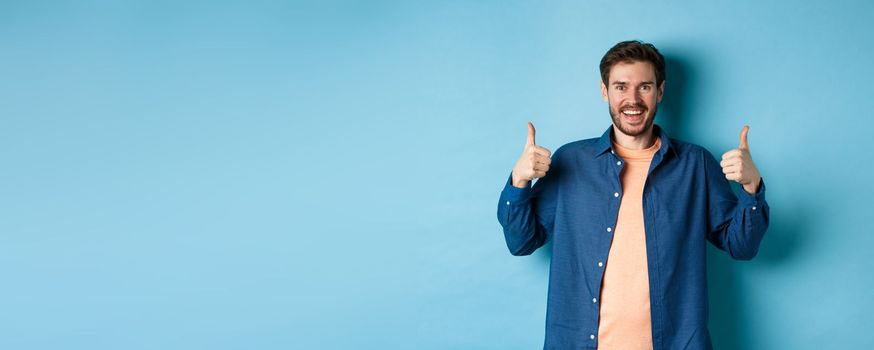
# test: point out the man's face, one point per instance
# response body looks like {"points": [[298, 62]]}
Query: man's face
{"points": [[632, 96]]}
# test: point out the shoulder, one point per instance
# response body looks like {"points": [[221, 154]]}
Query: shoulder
{"points": [[577, 149]]}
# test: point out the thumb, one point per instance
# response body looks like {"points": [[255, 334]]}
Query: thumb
{"points": [[530, 134], [743, 138]]}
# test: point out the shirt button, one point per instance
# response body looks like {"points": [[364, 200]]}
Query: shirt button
{"points": [[592, 337], [594, 300], [609, 229], [754, 208], [600, 264], [619, 163], [508, 202], [612, 151], [615, 194]]}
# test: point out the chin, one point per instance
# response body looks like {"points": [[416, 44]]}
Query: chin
{"points": [[635, 130]]}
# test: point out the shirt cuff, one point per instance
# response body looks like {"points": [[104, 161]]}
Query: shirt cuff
{"points": [[753, 200], [515, 194]]}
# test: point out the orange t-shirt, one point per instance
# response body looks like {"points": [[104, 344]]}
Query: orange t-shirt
{"points": [[625, 310]]}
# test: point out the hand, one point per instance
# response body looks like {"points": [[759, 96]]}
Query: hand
{"points": [[737, 165], [534, 162]]}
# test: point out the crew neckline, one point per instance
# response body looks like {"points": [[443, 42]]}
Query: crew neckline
{"points": [[638, 154]]}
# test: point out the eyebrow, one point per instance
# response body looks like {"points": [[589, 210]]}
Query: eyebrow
{"points": [[625, 83]]}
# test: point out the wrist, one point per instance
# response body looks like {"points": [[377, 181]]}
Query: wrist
{"points": [[519, 183], [753, 186]]}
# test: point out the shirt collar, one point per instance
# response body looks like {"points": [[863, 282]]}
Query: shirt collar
{"points": [[605, 142]]}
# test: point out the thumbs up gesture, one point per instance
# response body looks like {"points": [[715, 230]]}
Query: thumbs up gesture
{"points": [[534, 162], [737, 165]]}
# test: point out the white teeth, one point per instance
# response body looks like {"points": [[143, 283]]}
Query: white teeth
{"points": [[632, 112]]}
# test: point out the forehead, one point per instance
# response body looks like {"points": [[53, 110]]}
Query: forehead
{"points": [[632, 72]]}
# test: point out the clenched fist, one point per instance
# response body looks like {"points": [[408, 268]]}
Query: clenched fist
{"points": [[737, 165], [534, 162]]}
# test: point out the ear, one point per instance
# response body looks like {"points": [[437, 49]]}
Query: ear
{"points": [[604, 92], [661, 91]]}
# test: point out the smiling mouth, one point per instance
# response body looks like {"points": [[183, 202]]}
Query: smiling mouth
{"points": [[632, 113]]}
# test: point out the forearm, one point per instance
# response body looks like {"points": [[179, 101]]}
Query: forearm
{"points": [[517, 215], [749, 222]]}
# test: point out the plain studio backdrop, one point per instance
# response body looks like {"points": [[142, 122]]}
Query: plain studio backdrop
{"points": [[325, 175]]}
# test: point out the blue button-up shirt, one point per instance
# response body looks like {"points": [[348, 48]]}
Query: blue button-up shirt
{"points": [[686, 202]]}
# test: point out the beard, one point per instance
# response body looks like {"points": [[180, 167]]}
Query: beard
{"points": [[632, 130]]}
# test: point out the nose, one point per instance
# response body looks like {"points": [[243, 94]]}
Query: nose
{"points": [[635, 97]]}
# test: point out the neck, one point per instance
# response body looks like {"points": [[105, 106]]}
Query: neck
{"points": [[643, 141]]}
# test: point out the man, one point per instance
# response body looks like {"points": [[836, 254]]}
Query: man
{"points": [[629, 214]]}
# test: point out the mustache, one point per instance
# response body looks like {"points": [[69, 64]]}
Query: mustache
{"points": [[635, 105]]}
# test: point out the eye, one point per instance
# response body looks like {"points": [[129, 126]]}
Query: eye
{"points": [[620, 87], [645, 88]]}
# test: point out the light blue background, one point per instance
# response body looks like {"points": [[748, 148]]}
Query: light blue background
{"points": [[271, 175]]}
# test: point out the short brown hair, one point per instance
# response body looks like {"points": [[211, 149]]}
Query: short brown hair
{"points": [[633, 51]]}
